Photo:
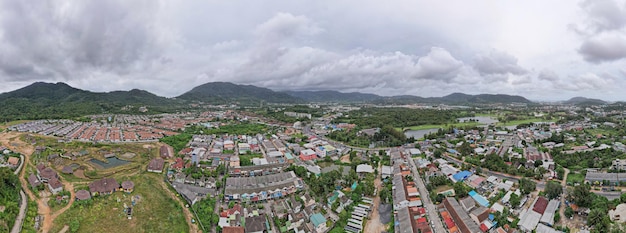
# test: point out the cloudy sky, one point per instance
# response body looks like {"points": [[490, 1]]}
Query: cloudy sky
{"points": [[543, 50]]}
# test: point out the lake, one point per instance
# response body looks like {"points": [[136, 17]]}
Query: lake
{"points": [[417, 134], [111, 162]]}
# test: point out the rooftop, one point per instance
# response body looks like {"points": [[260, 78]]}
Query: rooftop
{"points": [[318, 219]]}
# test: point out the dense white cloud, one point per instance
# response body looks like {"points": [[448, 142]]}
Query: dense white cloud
{"points": [[406, 47], [497, 62], [604, 31]]}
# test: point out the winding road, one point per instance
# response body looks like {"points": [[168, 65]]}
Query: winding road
{"points": [[19, 220]]}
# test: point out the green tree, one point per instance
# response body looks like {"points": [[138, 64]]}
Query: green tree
{"points": [[599, 220], [557, 217], [569, 212], [581, 195], [595, 217], [465, 149], [461, 189], [438, 153], [74, 225], [553, 189], [515, 200], [527, 186], [560, 172]]}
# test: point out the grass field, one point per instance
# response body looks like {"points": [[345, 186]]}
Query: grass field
{"points": [[518, 122], [486, 115], [573, 178], [154, 212], [11, 123]]}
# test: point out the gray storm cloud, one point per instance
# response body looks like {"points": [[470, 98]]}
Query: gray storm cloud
{"points": [[497, 62], [406, 47], [60, 40], [604, 31]]}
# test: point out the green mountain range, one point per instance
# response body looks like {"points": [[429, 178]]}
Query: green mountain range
{"points": [[455, 98], [59, 100], [225, 92]]}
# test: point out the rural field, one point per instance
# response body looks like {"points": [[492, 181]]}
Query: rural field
{"points": [[154, 210]]}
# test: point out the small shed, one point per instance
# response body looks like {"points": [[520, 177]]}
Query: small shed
{"points": [[82, 195]]}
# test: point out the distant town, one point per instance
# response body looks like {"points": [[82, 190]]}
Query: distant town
{"points": [[551, 168]]}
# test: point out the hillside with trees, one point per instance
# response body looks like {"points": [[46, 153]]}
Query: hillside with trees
{"points": [[9, 198], [58, 100]]}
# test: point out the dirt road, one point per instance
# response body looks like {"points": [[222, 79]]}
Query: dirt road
{"points": [[70, 187], [374, 224], [12, 141]]}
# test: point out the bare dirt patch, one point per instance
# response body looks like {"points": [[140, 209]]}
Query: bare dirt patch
{"points": [[345, 159], [80, 173]]}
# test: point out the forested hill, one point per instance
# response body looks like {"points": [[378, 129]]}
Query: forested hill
{"points": [[58, 100], [333, 96], [454, 98], [483, 98], [584, 101], [225, 92]]}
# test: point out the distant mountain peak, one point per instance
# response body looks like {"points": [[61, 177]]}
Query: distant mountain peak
{"points": [[579, 100], [226, 92]]}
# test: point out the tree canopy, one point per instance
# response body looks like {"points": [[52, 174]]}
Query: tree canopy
{"points": [[553, 190]]}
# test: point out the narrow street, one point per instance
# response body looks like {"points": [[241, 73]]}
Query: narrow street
{"points": [[374, 224], [430, 207], [22, 214]]}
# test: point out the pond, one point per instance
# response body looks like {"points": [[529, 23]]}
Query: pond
{"points": [[417, 134], [74, 166], [111, 162]]}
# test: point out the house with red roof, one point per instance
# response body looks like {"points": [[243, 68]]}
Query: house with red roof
{"points": [[232, 211], [541, 205], [179, 164]]}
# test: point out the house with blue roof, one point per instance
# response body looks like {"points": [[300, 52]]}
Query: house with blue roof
{"points": [[479, 198], [461, 176], [319, 222]]}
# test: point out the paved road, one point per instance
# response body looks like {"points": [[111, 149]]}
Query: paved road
{"points": [[430, 207], [22, 214], [17, 227], [609, 195]]}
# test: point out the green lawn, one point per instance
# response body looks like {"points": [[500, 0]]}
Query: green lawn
{"points": [[154, 212], [573, 178], [518, 122]]}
